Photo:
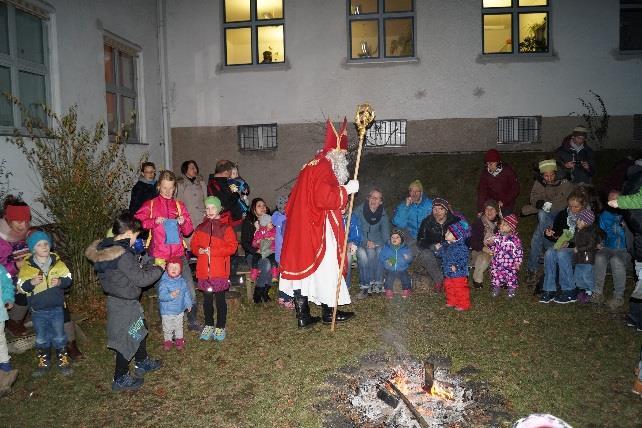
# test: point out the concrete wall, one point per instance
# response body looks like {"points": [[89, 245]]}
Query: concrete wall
{"points": [[77, 71]]}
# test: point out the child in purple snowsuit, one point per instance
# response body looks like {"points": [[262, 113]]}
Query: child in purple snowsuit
{"points": [[507, 257]]}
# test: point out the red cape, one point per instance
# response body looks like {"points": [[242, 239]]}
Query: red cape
{"points": [[316, 196]]}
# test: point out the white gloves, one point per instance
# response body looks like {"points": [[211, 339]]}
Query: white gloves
{"points": [[352, 186]]}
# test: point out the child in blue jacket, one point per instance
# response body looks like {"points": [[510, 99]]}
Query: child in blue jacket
{"points": [[396, 258], [7, 297], [174, 298]]}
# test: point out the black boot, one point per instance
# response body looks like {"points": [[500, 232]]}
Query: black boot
{"points": [[341, 315], [303, 317], [192, 319], [265, 294], [256, 297]]}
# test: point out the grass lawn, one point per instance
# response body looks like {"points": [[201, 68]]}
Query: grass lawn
{"points": [[573, 361]]}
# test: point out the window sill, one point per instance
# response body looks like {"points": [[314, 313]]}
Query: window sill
{"points": [[619, 55], [378, 62], [278, 66], [516, 58]]}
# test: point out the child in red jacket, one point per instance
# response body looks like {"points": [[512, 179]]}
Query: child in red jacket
{"points": [[214, 242]]}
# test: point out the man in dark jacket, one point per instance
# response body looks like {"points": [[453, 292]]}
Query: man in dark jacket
{"points": [[575, 158], [218, 185], [431, 232]]}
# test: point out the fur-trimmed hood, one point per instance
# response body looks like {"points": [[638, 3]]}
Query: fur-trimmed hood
{"points": [[106, 250]]}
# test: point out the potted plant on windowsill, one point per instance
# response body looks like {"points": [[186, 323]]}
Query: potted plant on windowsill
{"points": [[536, 39]]}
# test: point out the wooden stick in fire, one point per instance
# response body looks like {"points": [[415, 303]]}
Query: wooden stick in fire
{"points": [[362, 120]]}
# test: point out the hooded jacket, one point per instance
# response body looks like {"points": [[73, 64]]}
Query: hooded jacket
{"points": [[502, 187], [555, 193], [611, 224], [173, 305], [141, 192], [565, 153], [219, 237], [454, 254], [395, 258], [118, 269], [44, 295], [409, 217], [431, 232]]}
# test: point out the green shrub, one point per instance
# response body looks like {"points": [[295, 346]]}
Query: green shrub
{"points": [[84, 183]]}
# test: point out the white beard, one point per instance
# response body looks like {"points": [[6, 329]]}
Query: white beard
{"points": [[339, 163]]}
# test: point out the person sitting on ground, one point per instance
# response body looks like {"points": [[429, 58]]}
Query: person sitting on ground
{"points": [[122, 278], [411, 212], [507, 257], [482, 232], [614, 251], [547, 199], [561, 260], [575, 157], [44, 277], [145, 188], [374, 227], [453, 253], [218, 185], [396, 257], [431, 233], [497, 181], [586, 242]]}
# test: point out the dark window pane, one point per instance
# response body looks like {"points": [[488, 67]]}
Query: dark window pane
{"points": [[128, 108], [359, 7], [4, 30], [29, 36], [108, 58], [399, 39], [126, 71], [397, 5], [237, 10], [269, 9], [238, 42], [112, 120], [365, 39], [497, 33], [271, 47], [6, 108], [533, 32], [631, 2], [630, 29], [33, 96]]}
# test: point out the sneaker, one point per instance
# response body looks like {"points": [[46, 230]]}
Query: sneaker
{"points": [[495, 292], [512, 293], [64, 363], [147, 365], [583, 297], [547, 297], [207, 332], [597, 298], [180, 344], [219, 334], [167, 345], [126, 383], [389, 294], [566, 297], [630, 322], [363, 294], [615, 303], [405, 294]]}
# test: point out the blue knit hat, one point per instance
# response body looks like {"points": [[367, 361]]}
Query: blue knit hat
{"points": [[458, 230], [36, 237]]}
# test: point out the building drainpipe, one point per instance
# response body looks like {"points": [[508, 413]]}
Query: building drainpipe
{"points": [[162, 58]]}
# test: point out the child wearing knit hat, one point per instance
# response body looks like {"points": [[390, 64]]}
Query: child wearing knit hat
{"points": [[43, 277], [174, 299], [265, 241], [587, 239], [454, 263], [507, 257]]}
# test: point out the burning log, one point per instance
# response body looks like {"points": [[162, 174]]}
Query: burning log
{"points": [[429, 376], [387, 397], [420, 420]]}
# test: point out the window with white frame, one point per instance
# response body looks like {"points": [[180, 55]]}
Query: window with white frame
{"points": [[24, 67], [518, 129], [121, 88], [386, 133], [631, 25], [257, 137], [253, 32], [515, 27], [381, 30]]}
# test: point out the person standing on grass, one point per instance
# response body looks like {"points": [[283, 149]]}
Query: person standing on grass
{"points": [[168, 222], [145, 188], [453, 253], [497, 181], [547, 199], [8, 374], [191, 189], [411, 212], [174, 299], [614, 251], [507, 257], [214, 242], [218, 184], [122, 278], [561, 260]]}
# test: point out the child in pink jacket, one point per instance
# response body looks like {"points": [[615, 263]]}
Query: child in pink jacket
{"points": [[265, 241]]}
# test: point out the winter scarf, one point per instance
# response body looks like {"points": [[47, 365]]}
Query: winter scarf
{"points": [[497, 171], [372, 217]]}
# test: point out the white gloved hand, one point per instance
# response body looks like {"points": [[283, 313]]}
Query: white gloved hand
{"points": [[352, 186]]}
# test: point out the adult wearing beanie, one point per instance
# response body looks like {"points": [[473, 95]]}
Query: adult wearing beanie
{"points": [[497, 181]]}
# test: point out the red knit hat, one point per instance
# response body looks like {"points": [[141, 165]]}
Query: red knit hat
{"points": [[17, 213], [512, 221], [492, 156], [175, 260], [335, 140]]}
